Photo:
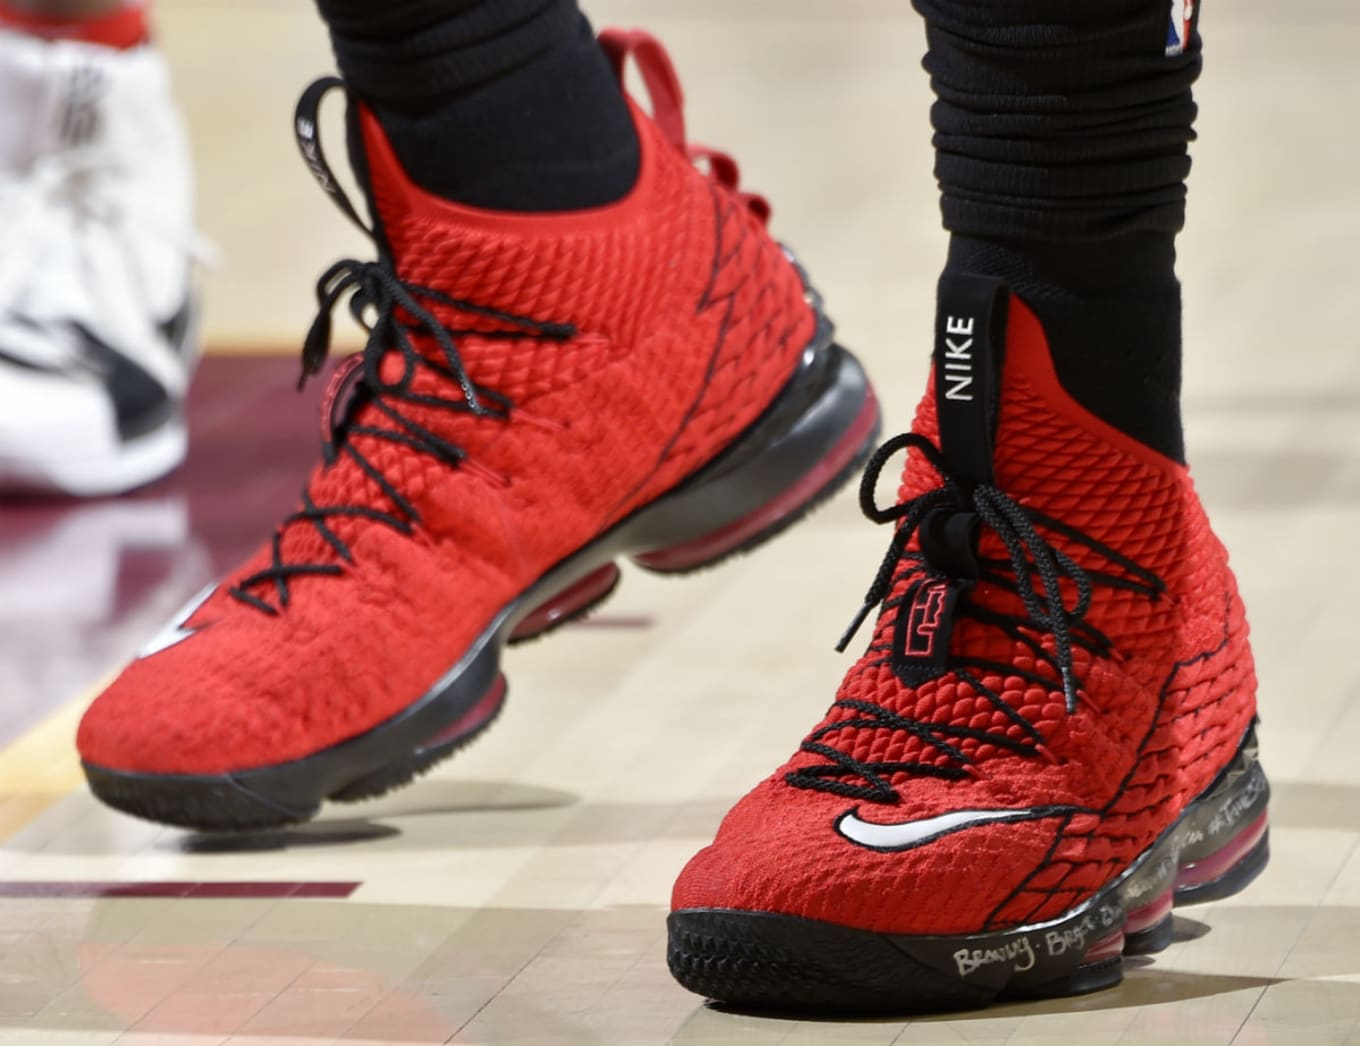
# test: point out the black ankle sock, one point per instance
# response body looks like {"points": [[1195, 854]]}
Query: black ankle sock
{"points": [[1113, 322], [504, 104], [1061, 151]]}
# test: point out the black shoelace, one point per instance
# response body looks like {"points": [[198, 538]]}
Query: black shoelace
{"points": [[395, 314], [1030, 556]]}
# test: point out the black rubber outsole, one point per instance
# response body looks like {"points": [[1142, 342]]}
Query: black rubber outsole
{"points": [[769, 963], [224, 804], [827, 403]]}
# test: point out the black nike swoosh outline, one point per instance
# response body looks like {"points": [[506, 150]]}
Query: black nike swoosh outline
{"points": [[141, 403]]}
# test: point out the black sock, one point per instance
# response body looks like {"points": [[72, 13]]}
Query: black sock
{"points": [[1061, 135], [504, 104]]}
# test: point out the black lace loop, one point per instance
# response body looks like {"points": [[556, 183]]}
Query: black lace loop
{"points": [[1030, 557]]}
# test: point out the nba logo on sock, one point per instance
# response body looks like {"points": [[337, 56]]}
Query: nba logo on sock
{"points": [[1182, 19]]}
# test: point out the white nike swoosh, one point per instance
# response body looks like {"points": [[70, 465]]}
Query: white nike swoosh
{"points": [[175, 633], [909, 834]]}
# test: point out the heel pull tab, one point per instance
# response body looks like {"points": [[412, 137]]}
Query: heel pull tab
{"points": [[658, 76], [667, 103]]}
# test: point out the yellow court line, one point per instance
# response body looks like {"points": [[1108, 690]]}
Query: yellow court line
{"points": [[41, 766]]}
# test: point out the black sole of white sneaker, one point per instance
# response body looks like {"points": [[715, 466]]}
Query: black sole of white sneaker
{"points": [[812, 440], [755, 961], [139, 438]]}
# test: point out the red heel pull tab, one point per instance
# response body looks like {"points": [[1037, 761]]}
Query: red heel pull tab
{"points": [[658, 76], [668, 109]]}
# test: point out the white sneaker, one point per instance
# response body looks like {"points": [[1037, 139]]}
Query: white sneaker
{"points": [[97, 318]]}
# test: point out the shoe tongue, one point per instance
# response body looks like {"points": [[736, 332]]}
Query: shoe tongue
{"points": [[969, 345], [969, 349]]}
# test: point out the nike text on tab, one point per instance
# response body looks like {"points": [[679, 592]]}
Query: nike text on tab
{"points": [[958, 358], [909, 834]]}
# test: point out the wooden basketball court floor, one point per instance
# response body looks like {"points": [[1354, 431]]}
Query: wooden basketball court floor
{"points": [[518, 894]]}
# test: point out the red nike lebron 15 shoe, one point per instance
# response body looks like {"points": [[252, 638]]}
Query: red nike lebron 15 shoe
{"points": [[1048, 744], [540, 396]]}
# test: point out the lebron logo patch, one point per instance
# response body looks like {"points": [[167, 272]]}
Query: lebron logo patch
{"points": [[924, 628], [923, 620]]}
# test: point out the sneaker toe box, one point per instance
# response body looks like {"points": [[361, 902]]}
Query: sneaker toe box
{"points": [[782, 850]]}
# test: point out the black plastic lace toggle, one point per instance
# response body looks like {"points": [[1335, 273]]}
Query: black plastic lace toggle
{"points": [[949, 540]]}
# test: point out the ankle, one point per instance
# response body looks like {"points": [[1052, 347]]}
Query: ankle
{"points": [[521, 142], [1111, 312], [503, 104]]}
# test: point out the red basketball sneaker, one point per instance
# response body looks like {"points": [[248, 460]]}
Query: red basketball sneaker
{"points": [[1048, 743], [540, 396]]}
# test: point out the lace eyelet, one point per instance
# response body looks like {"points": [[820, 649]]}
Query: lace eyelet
{"points": [[1045, 753]]}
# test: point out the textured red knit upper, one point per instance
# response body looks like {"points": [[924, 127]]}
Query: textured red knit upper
{"points": [[688, 319], [1156, 721]]}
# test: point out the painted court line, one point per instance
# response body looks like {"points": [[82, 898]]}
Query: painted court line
{"points": [[195, 891], [41, 767]]}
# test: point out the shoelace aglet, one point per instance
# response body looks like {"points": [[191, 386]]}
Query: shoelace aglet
{"points": [[1069, 689], [314, 348], [854, 627]]}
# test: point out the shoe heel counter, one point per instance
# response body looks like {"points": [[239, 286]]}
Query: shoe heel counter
{"points": [[769, 314], [760, 319], [1213, 693]]}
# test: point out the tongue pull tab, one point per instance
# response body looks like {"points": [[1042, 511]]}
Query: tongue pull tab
{"points": [[667, 99], [307, 131], [658, 77], [969, 347]]}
